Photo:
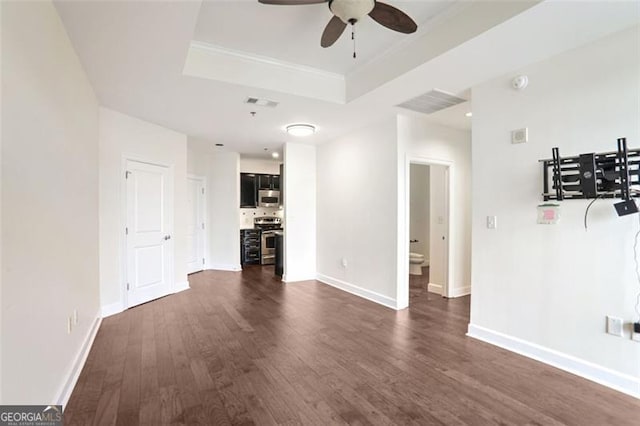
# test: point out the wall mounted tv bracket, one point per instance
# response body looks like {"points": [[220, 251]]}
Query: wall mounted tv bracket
{"points": [[601, 175]]}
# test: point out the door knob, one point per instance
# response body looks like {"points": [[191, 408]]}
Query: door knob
{"points": [[167, 237]]}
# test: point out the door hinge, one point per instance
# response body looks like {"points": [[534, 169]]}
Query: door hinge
{"points": [[203, 190], [203, 226], [126, 174], [203, 261], [127, 286], [126, 231]]}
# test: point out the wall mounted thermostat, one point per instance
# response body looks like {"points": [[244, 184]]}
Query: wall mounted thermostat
{"points": [[548, 214], [520, 135]]}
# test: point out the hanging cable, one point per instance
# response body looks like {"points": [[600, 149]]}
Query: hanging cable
{"points": [[637, 263], [586, 212], [636, 243]]}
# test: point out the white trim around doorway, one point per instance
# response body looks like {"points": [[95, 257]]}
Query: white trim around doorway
{"points": [[403, 228]]}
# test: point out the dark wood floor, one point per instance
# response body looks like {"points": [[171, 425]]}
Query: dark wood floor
{"points": [[242, 348]]}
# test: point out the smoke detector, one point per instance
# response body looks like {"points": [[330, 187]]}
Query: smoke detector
{"points": [[520, 82]]}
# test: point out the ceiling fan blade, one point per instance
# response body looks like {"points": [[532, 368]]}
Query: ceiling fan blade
{"points": [[392, 18], [332, 31], [291, 2]]}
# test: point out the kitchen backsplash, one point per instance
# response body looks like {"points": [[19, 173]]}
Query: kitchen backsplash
{"points": [[247, 215]]}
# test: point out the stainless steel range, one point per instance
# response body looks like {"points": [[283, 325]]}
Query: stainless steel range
{"points": [[268, 226]]}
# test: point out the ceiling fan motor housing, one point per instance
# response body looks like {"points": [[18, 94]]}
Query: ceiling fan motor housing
{"points": [[351, 11]]}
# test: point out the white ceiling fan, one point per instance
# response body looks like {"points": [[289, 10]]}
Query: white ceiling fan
{"points": [[351, 11]]}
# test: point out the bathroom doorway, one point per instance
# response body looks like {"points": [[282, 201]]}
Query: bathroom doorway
{"points": [[428, 208]]}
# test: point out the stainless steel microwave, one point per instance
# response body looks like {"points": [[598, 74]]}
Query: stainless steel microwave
{"points": [[267, 198]]}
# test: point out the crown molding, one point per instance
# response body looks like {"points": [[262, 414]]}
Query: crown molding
{"points": [[205, 60]]}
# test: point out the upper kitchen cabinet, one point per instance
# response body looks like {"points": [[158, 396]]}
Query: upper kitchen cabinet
{"points": [[271, 182], [248, 190]]}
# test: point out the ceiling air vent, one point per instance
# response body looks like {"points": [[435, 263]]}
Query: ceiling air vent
{"points": [[261, 102], [432, 101]]}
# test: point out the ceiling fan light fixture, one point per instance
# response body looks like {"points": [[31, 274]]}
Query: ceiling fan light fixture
{"points": [[301, 129], [351, 11]]}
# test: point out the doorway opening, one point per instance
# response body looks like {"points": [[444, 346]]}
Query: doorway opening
{"points": [[196, 214], [425, 250]]}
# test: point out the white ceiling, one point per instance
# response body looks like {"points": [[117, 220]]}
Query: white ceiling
{"points": [[134, 54], [292, 33]]}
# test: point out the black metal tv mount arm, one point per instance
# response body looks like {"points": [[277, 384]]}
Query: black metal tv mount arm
{"points": [[594, 175], [627, 206]]}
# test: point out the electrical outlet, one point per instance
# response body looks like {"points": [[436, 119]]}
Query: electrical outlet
{"points": [[75, 317], [69, 325], [344, 262], [614, 326]]}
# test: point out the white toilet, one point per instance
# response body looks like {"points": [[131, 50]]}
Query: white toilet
{"points": [[416, 261]]}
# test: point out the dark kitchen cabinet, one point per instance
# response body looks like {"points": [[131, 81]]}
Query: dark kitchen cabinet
{"points": [[269, 182], [279, 265], [248, 190], [250, 246], [281, 185]]}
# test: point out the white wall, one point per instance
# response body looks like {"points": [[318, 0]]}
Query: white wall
{"points": [[419, 214], [222, 172], [439, 224], [225, 222], [300, 212], [357, 212], [121, 137], [259, 165], [552, 285], [1, 136], [49, 204], [421, 139]]}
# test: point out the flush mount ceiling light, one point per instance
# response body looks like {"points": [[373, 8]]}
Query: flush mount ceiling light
{"points": [[469, 114], [301, 129], [275, 155]]}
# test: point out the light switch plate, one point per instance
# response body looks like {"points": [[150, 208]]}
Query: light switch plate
{"points": [[614, 326], [492, 222]]}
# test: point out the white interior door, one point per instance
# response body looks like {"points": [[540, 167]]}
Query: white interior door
{"points": [[195, 224], [149, 244], [439, 229]]}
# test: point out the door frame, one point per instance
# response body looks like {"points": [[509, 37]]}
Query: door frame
{"points": [[123, 223], [404, 223], [205, 240]]}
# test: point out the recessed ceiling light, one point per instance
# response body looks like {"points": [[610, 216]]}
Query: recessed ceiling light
{"points": [[301, 129], [469, 114], [275, 155]]}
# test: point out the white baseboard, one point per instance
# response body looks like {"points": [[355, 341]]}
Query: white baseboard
{"points": [[181, 287], [112, 309], [225, 267], [621, 382], [435, 288], [78, 363], [359, 291], [293, 279], [460, 291]]}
